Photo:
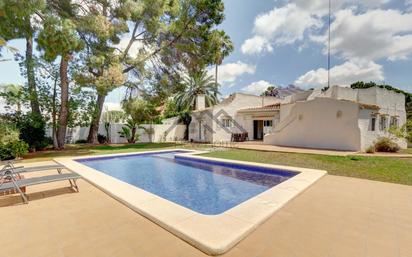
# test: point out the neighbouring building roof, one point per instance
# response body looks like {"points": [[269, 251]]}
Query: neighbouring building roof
{"points": [[289, 90]]}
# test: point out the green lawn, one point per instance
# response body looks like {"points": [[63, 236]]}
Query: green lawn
{"points": [[84, 149], [387, 169], [409, 151]]}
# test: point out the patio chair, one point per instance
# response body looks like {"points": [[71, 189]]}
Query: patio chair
{"points": [[8, 173]]}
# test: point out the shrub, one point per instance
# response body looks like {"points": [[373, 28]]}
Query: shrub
{"points": [[19, 148], [13, 150], [101, 138], [32, 130], [10, 145], [408, 129], [8, 133], [81, 141], [370, 149], [47, 141], [385, 144], [129, 131], [5, 153]]}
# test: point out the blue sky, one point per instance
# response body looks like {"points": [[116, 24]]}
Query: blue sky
{"points": [[293, 51], [283, 42]]}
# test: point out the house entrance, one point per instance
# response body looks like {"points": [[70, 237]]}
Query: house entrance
{"points": [[260, 128]]}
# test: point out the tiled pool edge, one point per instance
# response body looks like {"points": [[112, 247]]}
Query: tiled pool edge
{"points": [[212, 234]]}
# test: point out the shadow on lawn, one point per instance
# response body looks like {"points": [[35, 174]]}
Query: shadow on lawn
{"points": [[87, 149]]}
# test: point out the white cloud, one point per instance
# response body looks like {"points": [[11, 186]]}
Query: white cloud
{"points": [[228, 73], [257, 88], [344, 74], [255, 45], [291, 22], [321, 7], [280, 26], [372, 35]]}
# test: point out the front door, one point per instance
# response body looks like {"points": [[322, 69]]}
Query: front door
{"points": [[258, 129]]}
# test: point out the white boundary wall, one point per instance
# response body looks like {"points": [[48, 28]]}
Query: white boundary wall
{"points": [[162, 133]]}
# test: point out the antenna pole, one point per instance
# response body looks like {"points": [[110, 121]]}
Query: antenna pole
{"points": [[329, 43]]}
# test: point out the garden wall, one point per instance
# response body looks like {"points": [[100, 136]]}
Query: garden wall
{"points": [[162, 133]]}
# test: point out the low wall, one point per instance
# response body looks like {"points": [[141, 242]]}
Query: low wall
{"points": [[162, 133]]}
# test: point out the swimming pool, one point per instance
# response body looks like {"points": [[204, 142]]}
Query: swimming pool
{"points": [[210, 203], [204, 187]]}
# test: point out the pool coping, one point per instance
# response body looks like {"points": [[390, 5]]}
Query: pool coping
{"points": [[212, 234]]}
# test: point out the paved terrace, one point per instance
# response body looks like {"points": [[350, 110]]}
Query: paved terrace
{"points": [[336, 217], [259, 146]]}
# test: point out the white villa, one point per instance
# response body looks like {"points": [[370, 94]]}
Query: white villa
{"points": [[339, 118]]}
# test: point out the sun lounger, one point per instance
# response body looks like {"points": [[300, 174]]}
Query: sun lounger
{"points": [[8, 172], [22, 169]]}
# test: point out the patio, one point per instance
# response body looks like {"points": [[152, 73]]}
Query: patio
{"points": [[337, 216], [259, 146]]}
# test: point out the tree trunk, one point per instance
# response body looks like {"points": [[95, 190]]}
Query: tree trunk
{"points": [[132, 139], [216, 67], [64, 98], [54, 125], [94, 126], [31, 82], [107, 126]]}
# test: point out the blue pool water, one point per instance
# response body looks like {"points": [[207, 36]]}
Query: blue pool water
{"points": [[206, 187]]}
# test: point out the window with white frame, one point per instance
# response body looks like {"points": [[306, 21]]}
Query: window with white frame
{"points": [[267, 123], [394, 122], [227, 123], [383, 123], [372, 126]]}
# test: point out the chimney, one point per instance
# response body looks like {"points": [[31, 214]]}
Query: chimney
{"points": [[200, 102]]}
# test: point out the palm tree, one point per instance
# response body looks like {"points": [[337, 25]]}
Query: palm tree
{"points": [[225, 47], [197, 83]]}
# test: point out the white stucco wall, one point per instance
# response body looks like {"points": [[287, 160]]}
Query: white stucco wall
{"points": [[285, 110], [387, 100], [162, 133], [212, 117], [205, 127], [317, 124], [369, 137]]}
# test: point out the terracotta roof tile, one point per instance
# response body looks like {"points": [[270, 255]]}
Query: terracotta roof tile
{"points": [[271, 107]]}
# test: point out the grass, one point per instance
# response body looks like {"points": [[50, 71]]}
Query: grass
{"points": [[409, 151], [386, 169], [85, 149]]}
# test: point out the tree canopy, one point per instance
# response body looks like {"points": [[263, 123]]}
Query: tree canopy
{"points": [[87, 49]]}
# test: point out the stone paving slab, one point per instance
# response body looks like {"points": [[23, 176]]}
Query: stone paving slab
{"points": [[337, 216]]}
